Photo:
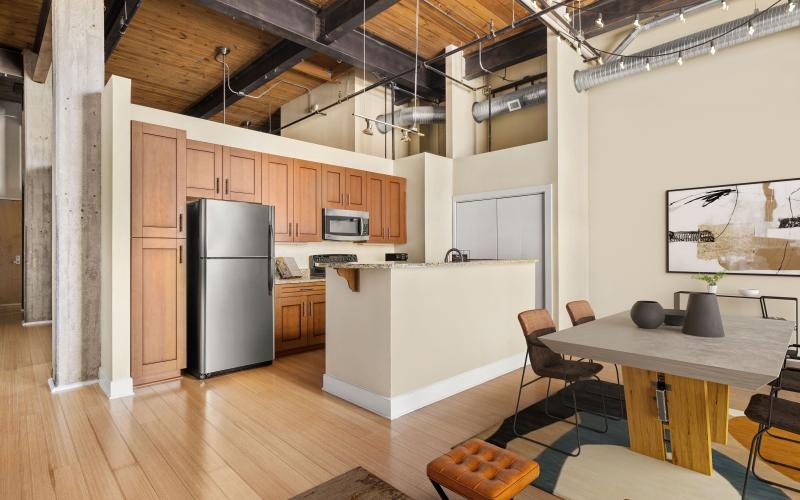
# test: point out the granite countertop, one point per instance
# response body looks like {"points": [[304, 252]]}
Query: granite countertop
{"points": [[405, 265], [304, 279]]}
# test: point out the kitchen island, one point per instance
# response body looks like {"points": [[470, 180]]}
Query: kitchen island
{"points": [[400, 336]]}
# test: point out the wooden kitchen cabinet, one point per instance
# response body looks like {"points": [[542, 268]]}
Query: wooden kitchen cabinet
{"points": [[203, 170], [356, 196], [299, 316], [158, 309], [334, 186], [158, 181], [241, 171], [294, 187], [386, 202]]}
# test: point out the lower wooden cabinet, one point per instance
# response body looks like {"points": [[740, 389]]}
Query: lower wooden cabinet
{"points": [[299, 316], [158, 309]]}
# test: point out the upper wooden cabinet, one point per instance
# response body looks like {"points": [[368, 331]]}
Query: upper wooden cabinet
{"points": [[334, 186], [356, 196], [158, 181], [386, 202], [203, 170], [158, 309], [294, 187], [241, 171]]}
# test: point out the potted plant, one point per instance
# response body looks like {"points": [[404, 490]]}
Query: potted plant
{"points": [[711, 280]]}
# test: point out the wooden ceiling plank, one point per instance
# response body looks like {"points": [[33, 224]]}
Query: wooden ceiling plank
{"points": [[314, 70]]}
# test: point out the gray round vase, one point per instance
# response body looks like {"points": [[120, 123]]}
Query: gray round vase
{"points": [[702, 316], [647, 314]]}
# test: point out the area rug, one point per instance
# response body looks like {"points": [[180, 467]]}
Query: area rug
{"points": [[606, 467], [355, 484]]}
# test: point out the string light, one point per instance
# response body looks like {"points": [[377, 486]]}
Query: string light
{"points": [[713, 49], [680, 58], [751, 30], [647, 64], [725, 5], [622, 63], [683, 17], [636, 22], [599, 20]]}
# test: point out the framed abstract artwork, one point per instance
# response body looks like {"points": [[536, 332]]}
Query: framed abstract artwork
{"points": [[751, 228]]}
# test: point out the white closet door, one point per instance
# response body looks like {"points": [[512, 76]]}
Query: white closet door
{"points": [[476, 228], [520, 234]]}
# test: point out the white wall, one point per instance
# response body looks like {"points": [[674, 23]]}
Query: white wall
{"points": [[720, 119]]}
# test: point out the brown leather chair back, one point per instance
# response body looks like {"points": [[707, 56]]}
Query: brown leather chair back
{"points": [[580, 312], [535, 323]]}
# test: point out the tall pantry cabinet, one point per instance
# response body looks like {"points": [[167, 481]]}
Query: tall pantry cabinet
{"points": [[158, 252]]}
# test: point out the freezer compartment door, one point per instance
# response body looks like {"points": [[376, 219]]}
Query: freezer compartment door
{"points": [[239, 326], [237, 229]]}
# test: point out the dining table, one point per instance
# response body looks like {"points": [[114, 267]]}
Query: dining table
{"points": [[677, 382]]}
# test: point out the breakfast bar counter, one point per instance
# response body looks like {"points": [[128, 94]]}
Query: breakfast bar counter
{"points": [[400, 336]]}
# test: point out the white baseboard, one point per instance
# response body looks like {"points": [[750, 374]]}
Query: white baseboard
{"points": [[114, 389], [69, 387], [37, 323], [402, 404]]}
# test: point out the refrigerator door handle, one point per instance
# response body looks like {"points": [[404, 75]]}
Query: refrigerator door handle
{"points": [[271, 262]]}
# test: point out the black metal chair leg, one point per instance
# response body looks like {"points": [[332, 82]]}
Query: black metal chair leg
{"points": [[755, 452], [439, 490], [749, 465]]}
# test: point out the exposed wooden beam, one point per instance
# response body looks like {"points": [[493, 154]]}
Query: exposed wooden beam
{"points": [[279, 58], [311, 69], [119, 14], [43, 45], [507, 52], [342, 16], [297, 22]]}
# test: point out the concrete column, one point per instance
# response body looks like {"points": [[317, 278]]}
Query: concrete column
{"points": [[460, 128], [78, 67], [38, 161]]}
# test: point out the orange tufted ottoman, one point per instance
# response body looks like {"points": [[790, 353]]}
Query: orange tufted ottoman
{"points": [[479, 470]]}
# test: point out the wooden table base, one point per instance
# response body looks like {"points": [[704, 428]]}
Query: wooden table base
{"points": [[698, 415]]}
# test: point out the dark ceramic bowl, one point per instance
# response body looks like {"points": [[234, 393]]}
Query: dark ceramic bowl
{"points": [[647, 314], [674, 317]]}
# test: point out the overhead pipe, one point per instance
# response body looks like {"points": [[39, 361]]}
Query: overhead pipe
{"points": [[513, 101], [415, 115], [773, 20]]}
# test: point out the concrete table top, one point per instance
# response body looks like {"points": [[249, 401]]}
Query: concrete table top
{"points": [[749, 356]]}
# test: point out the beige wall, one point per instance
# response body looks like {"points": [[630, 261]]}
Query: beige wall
{"points": [[720, 119]]}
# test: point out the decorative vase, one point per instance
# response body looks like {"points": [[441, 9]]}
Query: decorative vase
{"points": [[702, 316], [712, 289], [647, 314]]}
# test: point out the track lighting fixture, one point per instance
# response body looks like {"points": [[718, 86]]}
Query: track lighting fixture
{"points": [[368, 129], [599, 20], [567, 17], [404, 137], [622, 63], [751, 30], [725, 5], [636, 22], [578, 48], [713, 49], [680, 58], [682, 17], [647, 64]]}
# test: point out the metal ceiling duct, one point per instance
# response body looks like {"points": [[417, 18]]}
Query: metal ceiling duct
{"points": [[507, 103], [773, 20], [419, 115]]}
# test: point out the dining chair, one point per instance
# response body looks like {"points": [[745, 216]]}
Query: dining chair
{"points": [[770, 412], [580, 312], [549, 365], [789, 381]]}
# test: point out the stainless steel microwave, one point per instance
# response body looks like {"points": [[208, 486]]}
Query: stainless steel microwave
{"points": [[345, 225]]}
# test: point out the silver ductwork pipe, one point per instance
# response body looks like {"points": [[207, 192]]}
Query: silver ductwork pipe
{"points": [[514, 101], [420, 115], [773, 20]]}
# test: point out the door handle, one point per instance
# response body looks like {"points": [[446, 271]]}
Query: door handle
{"points": [[310, 308], [348, 198], [216, 185], [180, 223], [303, 309], [227, 186], [180, 254], [297, 229]]}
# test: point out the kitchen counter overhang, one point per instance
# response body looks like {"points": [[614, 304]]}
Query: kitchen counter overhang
{"points": [[417, 333]]}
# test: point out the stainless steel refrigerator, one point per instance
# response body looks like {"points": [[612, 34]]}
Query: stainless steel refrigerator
{"points": [[231, 269]]}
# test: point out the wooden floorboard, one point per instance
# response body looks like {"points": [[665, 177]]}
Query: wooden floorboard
{"points": [[264, 433]]}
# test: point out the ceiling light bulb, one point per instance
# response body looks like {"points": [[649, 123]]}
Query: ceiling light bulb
{"points": [[725, 5], [578, 48], [683, 17], [599, 20], [600, 60], [792, 5], [680, 58], [636, 22], [622, 64], [713, 49], [750, 28], [647, 64]]}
